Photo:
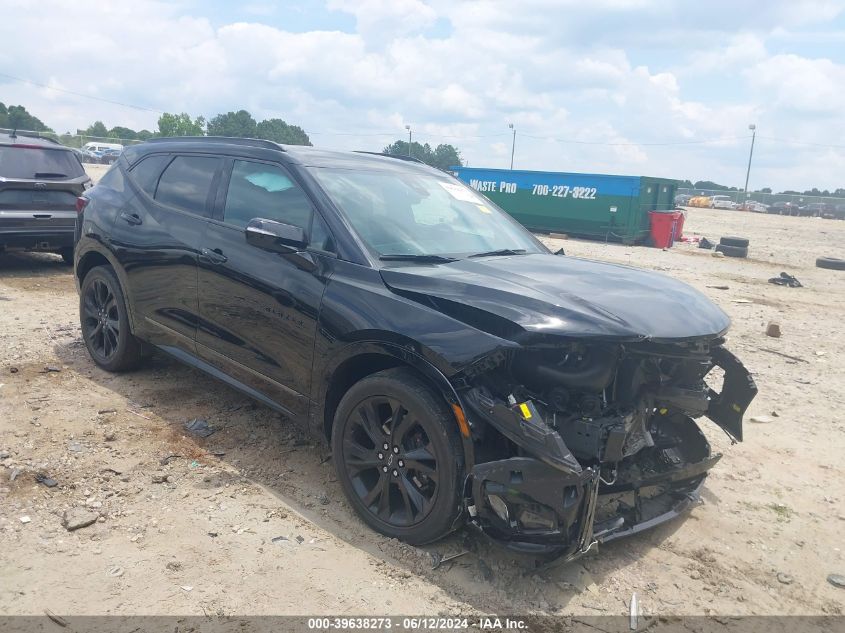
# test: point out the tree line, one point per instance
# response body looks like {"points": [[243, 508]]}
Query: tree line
{"points": [[237, 124]]}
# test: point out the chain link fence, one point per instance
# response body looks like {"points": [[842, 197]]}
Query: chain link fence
{"points": [[92, 149]]}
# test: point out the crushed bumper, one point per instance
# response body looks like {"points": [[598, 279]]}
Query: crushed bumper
{"points": [[564, 514]]}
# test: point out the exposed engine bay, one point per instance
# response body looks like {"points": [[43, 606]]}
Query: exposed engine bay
{"points": [[579, 443]]}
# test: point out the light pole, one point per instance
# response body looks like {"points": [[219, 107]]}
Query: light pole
{"points": [[513, 142], [408, 127], [753, 129]]}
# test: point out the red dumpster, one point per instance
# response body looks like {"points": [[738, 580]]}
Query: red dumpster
{"points": [[664, 227]]}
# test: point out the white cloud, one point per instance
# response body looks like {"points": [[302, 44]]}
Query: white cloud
{"points": [[625, 71]]}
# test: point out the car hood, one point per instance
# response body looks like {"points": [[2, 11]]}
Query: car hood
{"points": [[559, 295]]}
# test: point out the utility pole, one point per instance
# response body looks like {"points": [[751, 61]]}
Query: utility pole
{"points": [[408, 127], [513, 142], [753, 129]]}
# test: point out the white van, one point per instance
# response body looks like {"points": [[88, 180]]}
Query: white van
{"points": [[101, 147]]}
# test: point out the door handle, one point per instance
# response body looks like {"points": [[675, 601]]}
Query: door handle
{"points": [[215, 256], [131, 218], [42, 216]]}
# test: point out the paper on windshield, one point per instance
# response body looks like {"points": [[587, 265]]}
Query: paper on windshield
{"points": [[459, 192]]}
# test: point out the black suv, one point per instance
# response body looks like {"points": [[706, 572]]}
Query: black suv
{"points": [[459, 371], [40, 181]]}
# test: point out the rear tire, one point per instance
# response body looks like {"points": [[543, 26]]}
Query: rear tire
{"points": [[412, 489], [105, 322]]}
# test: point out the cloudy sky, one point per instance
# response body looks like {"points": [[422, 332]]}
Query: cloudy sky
{"points": [[653, 87]]}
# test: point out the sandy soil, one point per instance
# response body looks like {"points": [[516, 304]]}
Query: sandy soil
{"points": [[252, 520]]}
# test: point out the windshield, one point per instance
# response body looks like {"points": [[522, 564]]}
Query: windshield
{"points": [[35, 162], [406, 213]]}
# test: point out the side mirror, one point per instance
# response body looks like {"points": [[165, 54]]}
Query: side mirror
{"points": [[276, 237]]}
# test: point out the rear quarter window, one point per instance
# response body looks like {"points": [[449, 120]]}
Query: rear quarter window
{"points": [[146, 173], [186, 183]]}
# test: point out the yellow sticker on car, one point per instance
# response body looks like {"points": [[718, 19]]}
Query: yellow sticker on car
{"points": [[526, 412]]}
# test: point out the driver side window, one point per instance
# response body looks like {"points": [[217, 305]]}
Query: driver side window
{"points": [[260, 190]]}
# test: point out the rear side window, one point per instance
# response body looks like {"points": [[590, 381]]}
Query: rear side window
{"points": [[186, 182], [38, 163], [146, 173]]}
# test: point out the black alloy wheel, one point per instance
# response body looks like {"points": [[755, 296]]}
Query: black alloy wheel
{"points": [[100, 321], [105, 322], [396, 450]]}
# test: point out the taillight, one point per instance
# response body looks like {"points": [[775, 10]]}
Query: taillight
{"points": [[81, 203]]}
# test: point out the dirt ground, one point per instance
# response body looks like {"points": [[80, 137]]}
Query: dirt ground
{"points": [[252, 520]]}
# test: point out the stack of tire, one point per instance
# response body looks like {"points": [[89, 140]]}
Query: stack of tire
{"points": [[733, 246]]}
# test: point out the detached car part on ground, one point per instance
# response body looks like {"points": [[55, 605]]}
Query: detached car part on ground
{"points": [[460, 372]]}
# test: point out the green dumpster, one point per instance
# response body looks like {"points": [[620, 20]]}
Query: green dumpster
{"points": [[597, 206]]}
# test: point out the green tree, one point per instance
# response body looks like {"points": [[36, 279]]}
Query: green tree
{"points": [[281, 132], [442, 157], [143, 135], [121, 132], [445, 156], [766, 190], [240, 124], [17, 118], [97, 128], [180, 125]]}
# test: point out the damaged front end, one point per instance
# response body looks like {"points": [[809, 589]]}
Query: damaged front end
{"points": [[578, 444]]}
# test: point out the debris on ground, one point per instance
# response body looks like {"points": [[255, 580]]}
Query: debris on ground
{"points": [[760, 419], [718, 254], [115, 572], [159, 478], [199, 427], [106, 411], [174, 565], [705, 243], [785, 579], [720, 287], [773, 329], [55, 618], [46, 481], [25, 519], [785, 279], [837, 580], [437, 559], [830, 263], [52, 369], [76, 518], [789, 356], [484, 570], [579, 578]]}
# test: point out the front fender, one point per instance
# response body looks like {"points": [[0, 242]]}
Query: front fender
{"points": [[322, 377]]}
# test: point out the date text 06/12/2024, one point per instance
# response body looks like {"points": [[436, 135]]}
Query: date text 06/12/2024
{"points": [[415, 623], [556, 191]]}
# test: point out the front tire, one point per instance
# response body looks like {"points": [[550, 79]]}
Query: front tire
{"points": [[105, 322], [398, 456]]}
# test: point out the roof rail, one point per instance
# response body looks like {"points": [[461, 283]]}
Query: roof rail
{"points": [[409, 159], [230, 140]]}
